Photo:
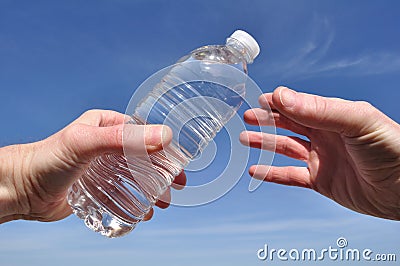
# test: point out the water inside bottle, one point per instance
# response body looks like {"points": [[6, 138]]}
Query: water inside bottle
{"points": [[195, 111]]}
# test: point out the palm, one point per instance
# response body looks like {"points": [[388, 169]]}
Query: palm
{"points": [[334, 171]]}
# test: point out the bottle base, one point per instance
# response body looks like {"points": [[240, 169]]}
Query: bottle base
{"points": [[94, 216]]}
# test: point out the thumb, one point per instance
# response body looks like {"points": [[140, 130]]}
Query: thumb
{"points": [[332, 114], [64, 154], [86, 142]]}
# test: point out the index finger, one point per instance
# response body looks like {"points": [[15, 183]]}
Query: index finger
{"points": [[265, 101]]}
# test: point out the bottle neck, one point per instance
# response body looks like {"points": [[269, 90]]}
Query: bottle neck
{"points": [[240, 48]]}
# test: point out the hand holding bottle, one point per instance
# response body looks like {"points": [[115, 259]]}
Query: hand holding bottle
{"points": [[352, 152], [35, 177], [195, 97]]}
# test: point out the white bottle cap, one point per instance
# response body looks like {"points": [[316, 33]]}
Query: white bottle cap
{"points": [[248, 40]]}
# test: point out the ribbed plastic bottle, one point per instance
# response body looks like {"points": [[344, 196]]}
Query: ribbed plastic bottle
{"points": [[114, 193]]}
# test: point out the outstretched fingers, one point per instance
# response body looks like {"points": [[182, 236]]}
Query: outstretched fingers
{"points": [[287, 175], [264, 117], [292, 147]]}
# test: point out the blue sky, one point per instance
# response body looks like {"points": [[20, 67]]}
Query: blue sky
{"points": [[60, 58]]}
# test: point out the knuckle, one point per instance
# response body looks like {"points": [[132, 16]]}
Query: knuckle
{"points": [[364, 105], [119, 131], [90, 112], [73, 134], [365, 108], [89, 115], [285, 146], [320, 108], [72, 131]]}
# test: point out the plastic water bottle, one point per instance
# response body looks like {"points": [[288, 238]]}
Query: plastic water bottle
{"points": [[115, 193]]}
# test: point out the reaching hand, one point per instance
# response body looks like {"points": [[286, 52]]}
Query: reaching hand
{"points": [[35, 177], [352, 151]]}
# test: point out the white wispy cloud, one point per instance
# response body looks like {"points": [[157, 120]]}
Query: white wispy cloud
{"points": [[365, 64], [312, 55], [248, 227]]}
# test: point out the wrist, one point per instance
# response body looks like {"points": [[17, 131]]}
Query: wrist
{"points": [[13, 199]]}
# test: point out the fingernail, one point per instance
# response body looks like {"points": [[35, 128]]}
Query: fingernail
{"points": [[287, 97], [166, 135], [157, 135], [153, 135]]}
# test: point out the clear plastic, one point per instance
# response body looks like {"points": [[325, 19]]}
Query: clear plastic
{"points": [[116, 192]]}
